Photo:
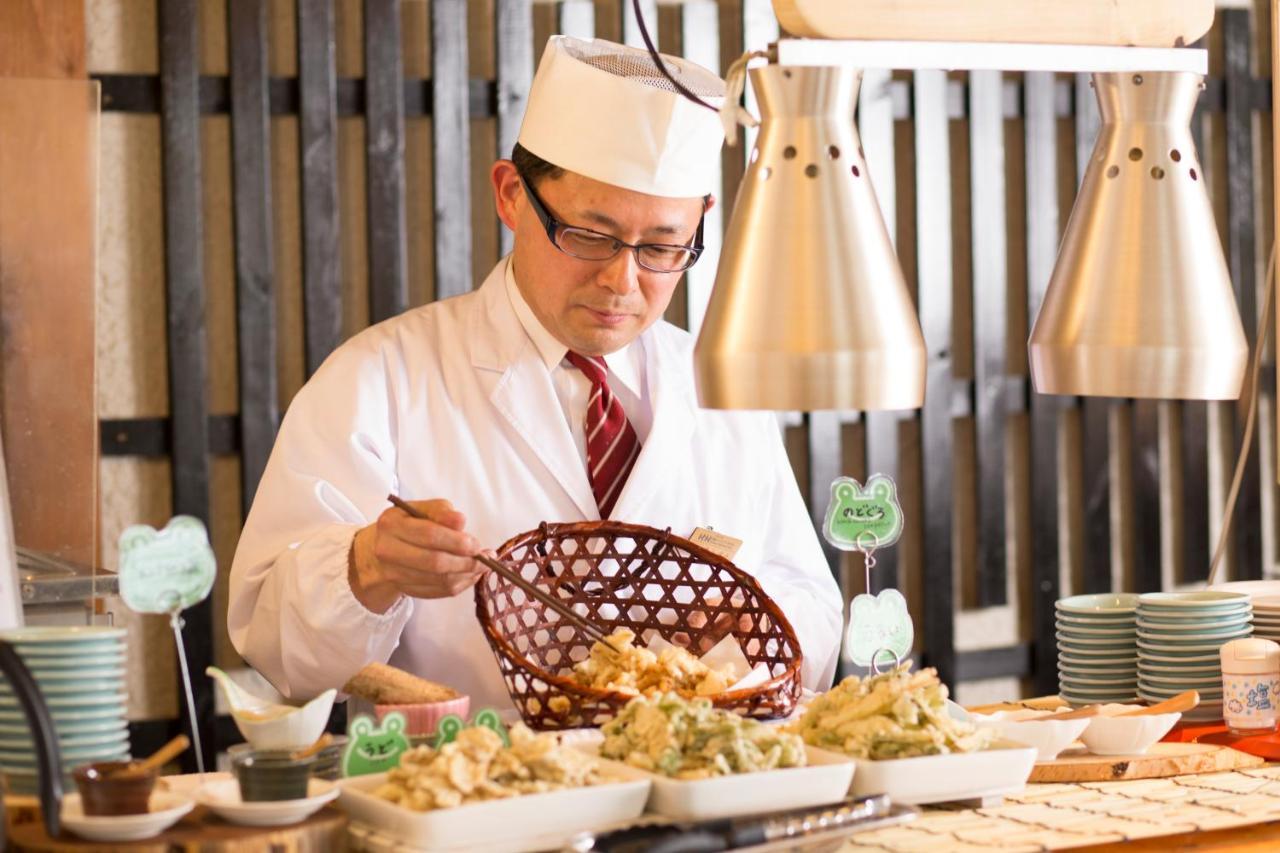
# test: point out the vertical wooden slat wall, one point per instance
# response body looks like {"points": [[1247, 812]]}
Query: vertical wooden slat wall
{"points": [[934, 301], [1068, 495], [1043, 235], [255, 267], [318, 157], [513, 31], [451, 146], [990, 257], [1095, 471], [384, 148], [185, 307], [1241, 247]]}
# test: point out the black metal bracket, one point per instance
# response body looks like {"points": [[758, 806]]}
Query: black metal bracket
{"points": [[45, 737]]}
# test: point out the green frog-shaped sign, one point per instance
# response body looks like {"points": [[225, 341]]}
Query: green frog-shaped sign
{"points": [[865, 519], [166, 571], [861, 519], [880, 630], [373, 748], [449, 726]]}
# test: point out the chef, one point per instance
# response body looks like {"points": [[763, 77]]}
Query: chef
{"points": [[553, 392]]}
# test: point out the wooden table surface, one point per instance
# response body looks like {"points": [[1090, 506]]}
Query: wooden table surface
{"points": [[200, 830], [1253, 839]]}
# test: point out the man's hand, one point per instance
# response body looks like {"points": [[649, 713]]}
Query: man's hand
{"points": [[724, 623], [419, 557]]}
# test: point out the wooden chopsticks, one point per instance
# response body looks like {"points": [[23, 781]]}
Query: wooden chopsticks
{"points": [[589, 628]]}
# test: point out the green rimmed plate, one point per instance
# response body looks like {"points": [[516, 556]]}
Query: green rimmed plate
{"points": [[1192, 649], [1192, 639], [1102, 604], [1095, 642], [61, 715], [1184, 600], [42, 634], [1077, 631], [1181, 617], [86, 686], [71, 729], [72, 702]]}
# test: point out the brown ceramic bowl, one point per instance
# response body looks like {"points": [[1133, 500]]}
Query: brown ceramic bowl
{"points": [[104, 796]]}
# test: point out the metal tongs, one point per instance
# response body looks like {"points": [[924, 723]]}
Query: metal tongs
{"points": [[588, 627], [778, 830]]}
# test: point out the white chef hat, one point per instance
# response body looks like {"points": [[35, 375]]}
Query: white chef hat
{"points": [[604, 110]]}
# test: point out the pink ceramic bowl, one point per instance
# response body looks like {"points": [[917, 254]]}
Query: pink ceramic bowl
{"points": [[422, 718]]}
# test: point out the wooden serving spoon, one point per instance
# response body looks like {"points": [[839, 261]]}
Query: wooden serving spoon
{"points": [[155, 761], [1079, 714], [1041, 703], [307, 752], [1182, 702]]}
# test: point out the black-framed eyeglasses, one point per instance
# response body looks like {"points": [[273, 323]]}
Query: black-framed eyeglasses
{"points": [[594, 246]]}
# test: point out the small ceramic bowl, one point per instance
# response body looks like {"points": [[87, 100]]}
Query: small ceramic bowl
{"points": [[329, 760], [266, 776], [1108, 734], [422, 718], [104, 796], [295, 729], [1034, 728]]}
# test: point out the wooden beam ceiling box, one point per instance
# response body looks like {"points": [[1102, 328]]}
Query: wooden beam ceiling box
{"points": [[1124, 23]]}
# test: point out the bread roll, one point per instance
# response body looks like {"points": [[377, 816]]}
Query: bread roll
{"points": [[386, 685]]}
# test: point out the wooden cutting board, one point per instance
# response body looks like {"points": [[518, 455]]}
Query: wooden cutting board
{"points": [[1163, 759], [1144, 23]]}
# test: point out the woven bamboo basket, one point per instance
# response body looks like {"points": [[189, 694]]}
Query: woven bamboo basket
{"points": [[626, 575]]}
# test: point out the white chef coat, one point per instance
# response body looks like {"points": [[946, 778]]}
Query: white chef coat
{"points": [[454, 400]]}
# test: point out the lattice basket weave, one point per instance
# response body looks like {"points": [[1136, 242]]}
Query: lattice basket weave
{"points": [[626, 575]]}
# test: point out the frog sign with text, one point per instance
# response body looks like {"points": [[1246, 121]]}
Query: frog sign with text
{"points": [[864, 519]]}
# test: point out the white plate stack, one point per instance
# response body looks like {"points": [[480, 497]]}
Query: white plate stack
{"points": [[1097, 651], [1179, 638], [80, 671], [1265, 597], [1266, 617]]}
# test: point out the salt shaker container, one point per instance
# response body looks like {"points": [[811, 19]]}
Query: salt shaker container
{"points": [[1250, 685]]}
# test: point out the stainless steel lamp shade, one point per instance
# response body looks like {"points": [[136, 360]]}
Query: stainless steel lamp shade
{"points": [[810, 310], [1140, 303]]}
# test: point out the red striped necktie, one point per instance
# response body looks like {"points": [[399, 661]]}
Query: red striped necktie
{"points": [[612, 444]]}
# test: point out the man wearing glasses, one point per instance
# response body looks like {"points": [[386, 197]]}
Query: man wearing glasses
{"points": [[553, 392]]}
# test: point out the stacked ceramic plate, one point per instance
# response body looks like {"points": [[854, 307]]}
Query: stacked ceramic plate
{"points": [[1179, 637], [1266, 617], [1265, 598], [1097, 648], [80, 670]]}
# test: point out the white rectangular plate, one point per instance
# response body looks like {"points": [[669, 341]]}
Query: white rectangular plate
{"points": [[516, 824], [825, 779], [1001, 769]]}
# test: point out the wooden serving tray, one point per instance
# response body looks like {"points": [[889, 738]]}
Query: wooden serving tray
{"points": [[199, 830], [1163, 759]]}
